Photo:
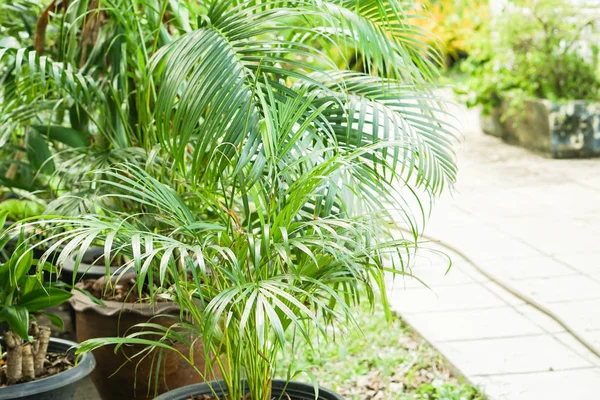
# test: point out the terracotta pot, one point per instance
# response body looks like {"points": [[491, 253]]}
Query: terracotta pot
{"points": [[116, 377]]}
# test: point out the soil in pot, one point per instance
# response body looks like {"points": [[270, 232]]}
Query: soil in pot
{"points": [[118, 376], [61, 376]]}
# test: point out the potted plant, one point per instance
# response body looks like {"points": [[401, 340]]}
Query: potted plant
{"points": [[536, 75], [268, 142], [244, 289], [36, 366]]}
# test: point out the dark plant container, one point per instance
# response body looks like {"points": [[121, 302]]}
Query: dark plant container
{"points": [[89, 267], [117, 375], [280, 390], [61, 386]]}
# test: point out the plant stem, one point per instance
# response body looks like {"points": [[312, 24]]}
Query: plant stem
{"points": [[14, 357], [43, 339], [28, 369]]}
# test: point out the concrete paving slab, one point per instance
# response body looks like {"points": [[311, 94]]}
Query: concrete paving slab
{"points": [[593, 337], [586, 263], [577, 384], [434, 278], [501, 293], [568, 340], [542, 320], [474, 324], [534, 222], [581, 315], [559, 289], [527, 268], [511, 355], [446, 298]]}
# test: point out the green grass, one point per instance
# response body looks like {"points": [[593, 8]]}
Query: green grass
{"points": [[384, 361]]}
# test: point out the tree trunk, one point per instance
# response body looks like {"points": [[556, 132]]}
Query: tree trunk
{"points": [[14, 357]]}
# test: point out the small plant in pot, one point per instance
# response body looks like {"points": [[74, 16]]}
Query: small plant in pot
{"points": [[245, 277], [34, 366], [243, 288], [279, 163], [113, 304]]}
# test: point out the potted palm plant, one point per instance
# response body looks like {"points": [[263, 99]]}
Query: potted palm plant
{"points": [[282, 172], [246, 282], [35, 366]]}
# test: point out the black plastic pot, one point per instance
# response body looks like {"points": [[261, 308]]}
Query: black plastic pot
{"points": [[56, 387], [293, 391], [88, 268]]}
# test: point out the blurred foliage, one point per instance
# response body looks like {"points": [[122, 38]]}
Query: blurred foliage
{"points": [[543, 49], [17, 209], [454, 22]]}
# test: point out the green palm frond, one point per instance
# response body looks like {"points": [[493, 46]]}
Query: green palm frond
{"points": [[238, 162]]}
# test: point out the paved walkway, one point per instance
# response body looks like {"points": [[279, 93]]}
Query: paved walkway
{"points": [[534, 223]]}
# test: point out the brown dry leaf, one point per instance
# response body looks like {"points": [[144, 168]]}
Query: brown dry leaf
{"points": [[39, 39]]}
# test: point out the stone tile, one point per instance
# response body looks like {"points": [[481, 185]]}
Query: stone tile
{"points": [[581, 315], [586, 263], [595, 277], [579, 384], [593, 337], [555, 235], [486, 244], [446, 298], [503, 294], [473, 324], [433, 279], [574, 344], [535, 223], [503, 205], [559, 289], [573, 239], [526, 268], [438, 272], [511, 355], [539, 318]]}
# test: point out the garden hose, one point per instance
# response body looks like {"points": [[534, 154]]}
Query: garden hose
{"points": [[518, 294]]}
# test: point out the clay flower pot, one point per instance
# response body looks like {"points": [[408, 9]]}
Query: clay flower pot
{"points": [[117, 377]]}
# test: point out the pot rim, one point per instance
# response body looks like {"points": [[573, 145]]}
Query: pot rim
{"points": [[298, 388], [83, 368]]}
